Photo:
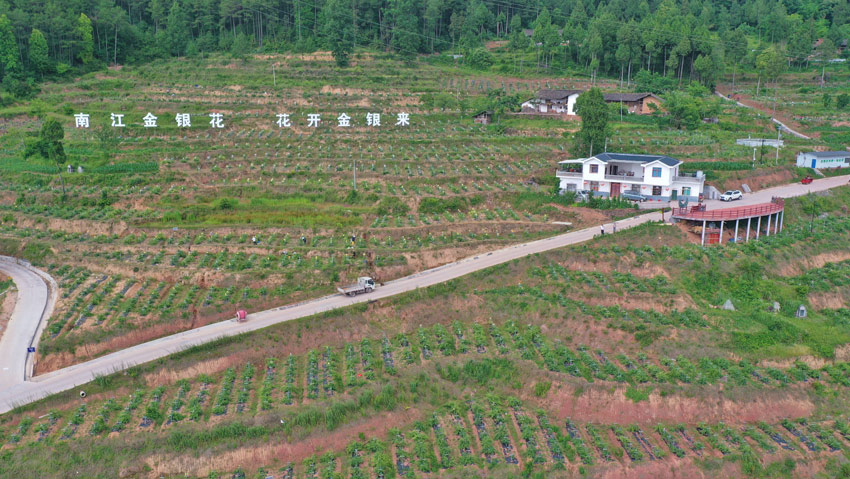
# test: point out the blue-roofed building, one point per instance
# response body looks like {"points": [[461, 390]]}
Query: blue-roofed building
{"points": [[656, 177]]}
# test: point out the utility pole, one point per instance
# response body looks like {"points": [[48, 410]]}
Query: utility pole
{"points": [[274, 77], [778, 139], [754, 158]]}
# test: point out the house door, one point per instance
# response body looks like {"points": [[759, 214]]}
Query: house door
{"points": [[674, 194], [613, 170], [814, 163], [615, 189]]}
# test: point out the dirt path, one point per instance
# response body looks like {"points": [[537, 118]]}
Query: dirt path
{"points": [[784, 121]]}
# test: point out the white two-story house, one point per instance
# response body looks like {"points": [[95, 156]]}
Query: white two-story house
{"points": [[610, 174]]}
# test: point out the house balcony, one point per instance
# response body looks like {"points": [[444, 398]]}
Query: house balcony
{"points": [[568, 174], [625, 178], [688, 178]]}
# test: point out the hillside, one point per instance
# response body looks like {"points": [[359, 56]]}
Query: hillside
{"points": [[169, 162], [611, 358]]}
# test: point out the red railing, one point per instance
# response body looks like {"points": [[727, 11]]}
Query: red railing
{"points": [[699, 213]]}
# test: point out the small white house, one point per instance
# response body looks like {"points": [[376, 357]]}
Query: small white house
{"points": [[610, 174], [553, 101], [823, 159]]}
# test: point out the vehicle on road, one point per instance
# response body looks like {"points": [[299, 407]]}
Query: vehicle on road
{"points": [[633, 196], [241, 316], [732, 195], [807, 180], [364, 284], [581, 195]]}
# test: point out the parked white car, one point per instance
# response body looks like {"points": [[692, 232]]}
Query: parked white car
{"points": [[732, 195]]}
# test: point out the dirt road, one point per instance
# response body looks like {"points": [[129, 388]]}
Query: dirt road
{"points": [[748, 103], [35, 302], [70, 377]]}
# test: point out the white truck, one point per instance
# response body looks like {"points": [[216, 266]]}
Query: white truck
{"points": [[364, 284]]}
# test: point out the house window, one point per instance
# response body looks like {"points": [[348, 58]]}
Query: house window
{"points": [[594, 168], [656, 191], [686, 191], [656, 172]]}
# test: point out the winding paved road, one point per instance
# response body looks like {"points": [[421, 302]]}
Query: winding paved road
{"points": [[70, 377], [36, 297]]}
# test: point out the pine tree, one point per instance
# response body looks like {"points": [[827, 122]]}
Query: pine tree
{"points": [[38, 56], [593, 110], [85, 38], [10, 62], [405, 37], [51, 136], [176, 30], [517, 41], [338, 30]]}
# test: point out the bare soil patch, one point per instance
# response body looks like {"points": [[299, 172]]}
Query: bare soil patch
{"points": [[830, 300], [601, 405], [7, 305], [818, 261], [278, 452], [757, 180], [670, 467]]}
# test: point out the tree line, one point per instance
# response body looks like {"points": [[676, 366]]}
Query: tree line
{"points": [[678, 39]]}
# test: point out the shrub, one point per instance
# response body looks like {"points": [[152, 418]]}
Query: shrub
{"points": [[480, 58], [439, 205], [391, 205], [542, 388], [638, 394], [225, 203]]}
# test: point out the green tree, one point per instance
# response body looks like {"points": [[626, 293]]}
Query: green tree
{"points": [[405, 32], [825, 52], [593, 110], [157, 10], [177, 30], [770, 64], [85, 39], [338, 30], [800, 43], [517, 41], [479, 58], [684, 110], [736, 50], [10, 62], [542, 32], [51, 136], [628, 49], [826, 99], [842, 101], [38, 56]]}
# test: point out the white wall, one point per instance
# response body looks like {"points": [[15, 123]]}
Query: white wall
{"points": [[571, 104], [804, 160], [666, 174], [600, 170]]}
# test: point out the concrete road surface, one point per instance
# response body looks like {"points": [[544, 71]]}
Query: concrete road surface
{"points": [[73, 376], [33, 307]]}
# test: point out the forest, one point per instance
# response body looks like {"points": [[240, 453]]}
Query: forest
{"points": [[695, 39]]}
